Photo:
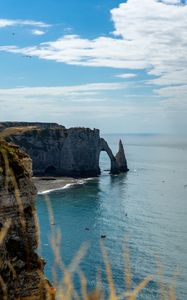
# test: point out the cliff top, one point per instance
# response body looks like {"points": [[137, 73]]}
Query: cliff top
{"points": [[9, 128], [11, 156], [4, 125]]}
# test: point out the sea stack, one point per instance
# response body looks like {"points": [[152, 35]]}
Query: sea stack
{"points": [[21, 269], [121, 159]]}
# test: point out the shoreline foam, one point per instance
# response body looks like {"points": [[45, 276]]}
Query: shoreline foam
{"points": [[48, 186], [68, 185]]}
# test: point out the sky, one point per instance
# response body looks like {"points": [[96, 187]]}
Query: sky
{"points": [[120, 66]]}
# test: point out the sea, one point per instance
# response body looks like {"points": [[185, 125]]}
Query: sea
{"points": [[138, 219]]}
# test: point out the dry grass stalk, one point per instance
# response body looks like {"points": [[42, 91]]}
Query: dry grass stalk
{"points": [[4, 288], [4, 231]]}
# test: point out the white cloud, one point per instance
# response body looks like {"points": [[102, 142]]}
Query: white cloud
{"points": [[12, 22], [38, 32], [60, 91], [172, 2], [71, 49], [170, 77], [175, 92], [127, 75]]}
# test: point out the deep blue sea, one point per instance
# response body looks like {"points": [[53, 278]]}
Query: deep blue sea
{"points": [[147, 206]]}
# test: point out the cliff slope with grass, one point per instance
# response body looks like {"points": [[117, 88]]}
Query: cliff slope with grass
{"points": [[21, 269]]}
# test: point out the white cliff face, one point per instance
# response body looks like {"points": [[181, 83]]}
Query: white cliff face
{"points": [[80, 153], [58, 151], [62, 152]]}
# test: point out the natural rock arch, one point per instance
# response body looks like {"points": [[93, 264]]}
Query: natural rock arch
{"points": [[114, 169]]}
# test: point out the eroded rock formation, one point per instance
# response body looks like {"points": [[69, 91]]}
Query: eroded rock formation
{"points": [[121, 159], [58, 151], [21, 269], [114, 169]]}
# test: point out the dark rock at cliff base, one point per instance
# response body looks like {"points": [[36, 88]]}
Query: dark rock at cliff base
{"points": [[48, 178], [57, 151], [121, 159], [21, 269]]}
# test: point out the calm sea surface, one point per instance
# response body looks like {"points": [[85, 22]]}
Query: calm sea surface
{"points": [[148, 206]]}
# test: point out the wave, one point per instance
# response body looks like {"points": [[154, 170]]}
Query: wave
{"points": [[68, 185]]}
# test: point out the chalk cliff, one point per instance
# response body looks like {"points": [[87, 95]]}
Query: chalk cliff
{"points": [[58, 151], [21, 269]]}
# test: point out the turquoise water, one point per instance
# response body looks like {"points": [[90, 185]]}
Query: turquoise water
{"points": [[148, 205]]}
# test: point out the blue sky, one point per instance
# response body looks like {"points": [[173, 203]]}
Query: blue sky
{"points": [[120, 66]]}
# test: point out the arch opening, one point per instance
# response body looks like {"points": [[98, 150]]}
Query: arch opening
{"points": [[50, 171], [114, 169], [104, 162]]}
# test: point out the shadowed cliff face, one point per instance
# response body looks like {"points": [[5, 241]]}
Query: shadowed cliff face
{"points": [[57, 151], [21, 269]]}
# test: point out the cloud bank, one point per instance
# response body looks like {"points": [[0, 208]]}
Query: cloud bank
{"points": [[148, 34], [89, 104]]}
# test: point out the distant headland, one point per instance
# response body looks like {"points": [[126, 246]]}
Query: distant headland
{"points": [[58, 151]]}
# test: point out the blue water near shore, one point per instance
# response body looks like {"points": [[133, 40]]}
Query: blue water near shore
{"points": [[148, 205]]}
